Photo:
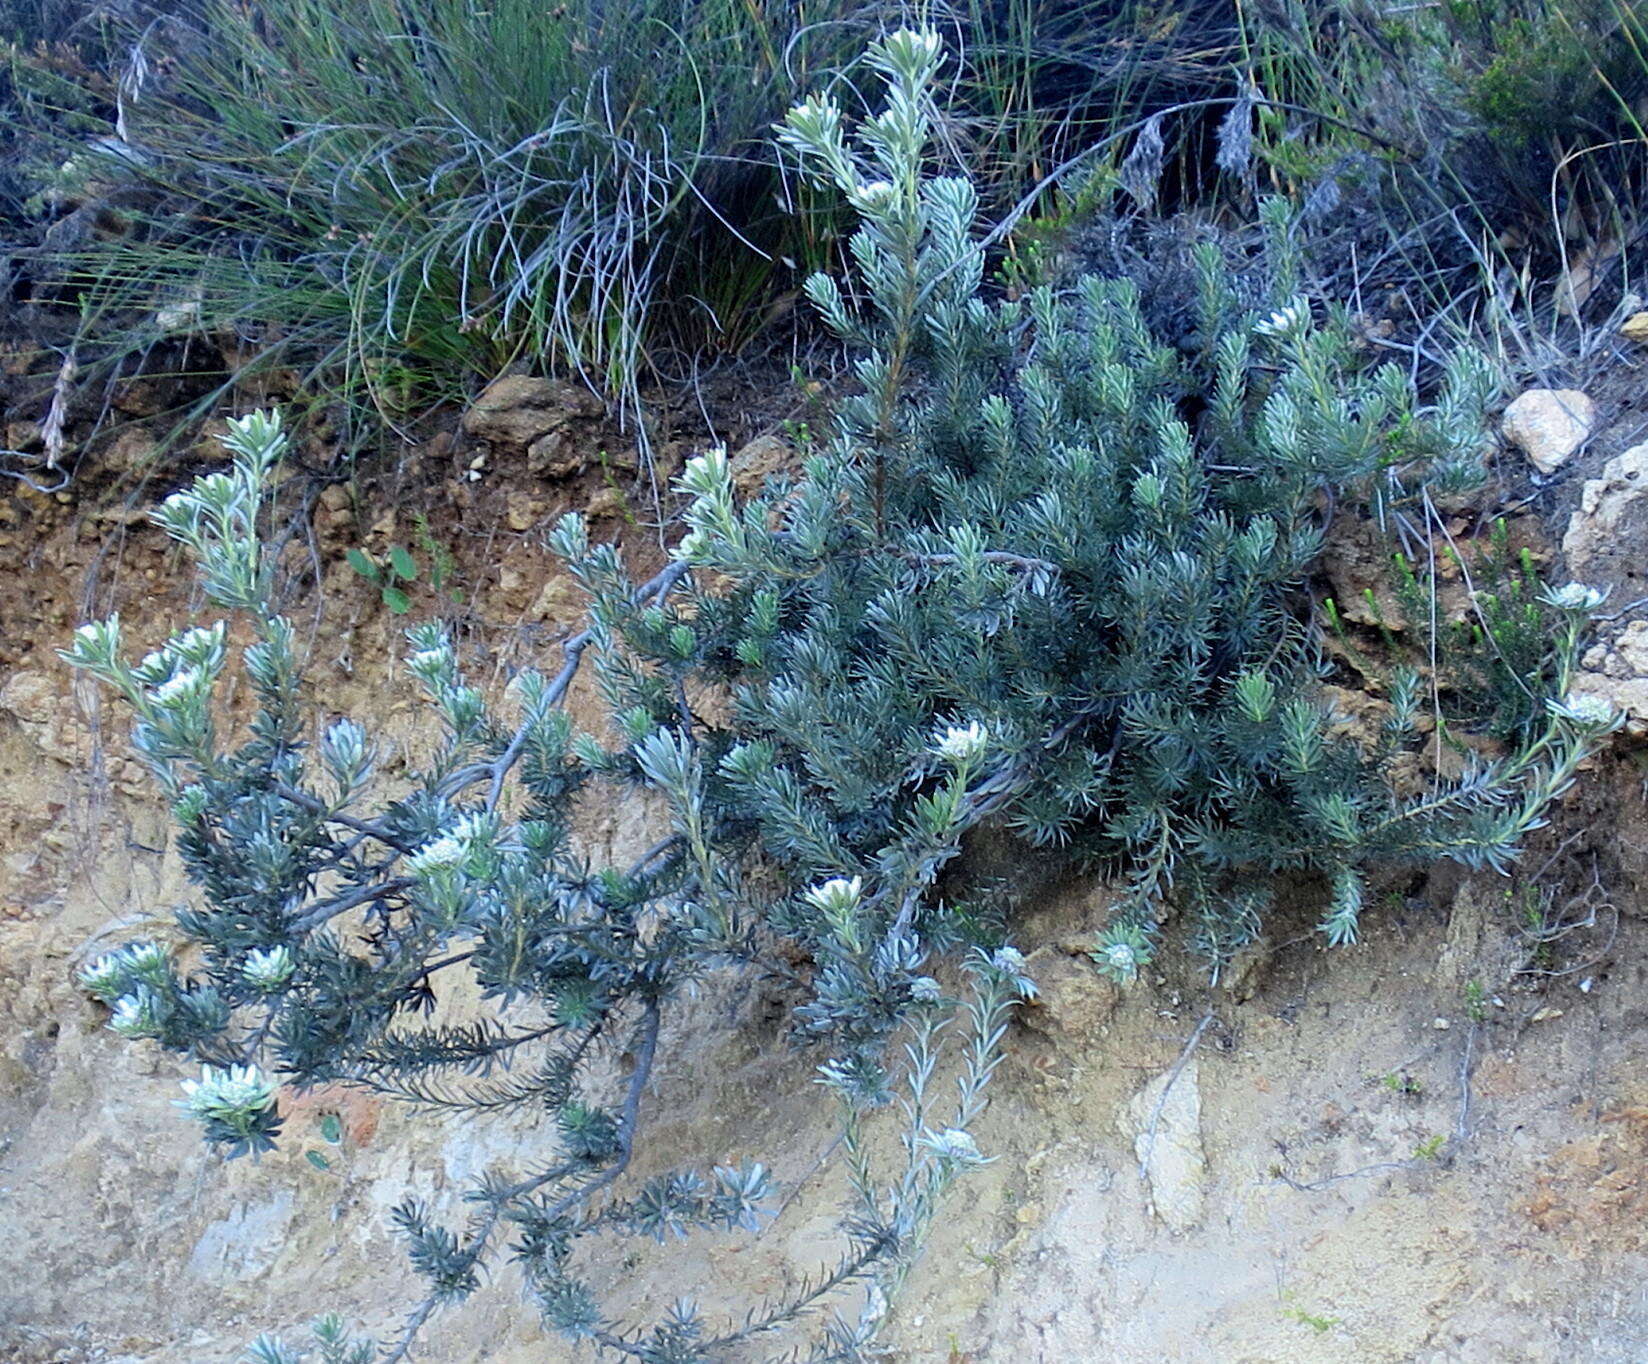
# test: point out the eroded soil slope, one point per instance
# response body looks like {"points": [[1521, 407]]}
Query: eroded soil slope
{"points": [[1432, 1146]]}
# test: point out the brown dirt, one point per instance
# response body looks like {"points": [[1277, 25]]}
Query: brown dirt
{"points": [[1389, 1172]]}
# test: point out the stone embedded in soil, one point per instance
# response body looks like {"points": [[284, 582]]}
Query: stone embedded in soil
{"points": [[1459, 959], [1548, 425], [132, 449], [555, 454], [517, 410], [31, 697], [1635, 328], [1607, 530], [1164, 1120], [523, 513], [757, 461], [23, 435], [1616, 671], [1072, 1000], [1244, 976], [143, 397], [604, 503], [559, 602]]}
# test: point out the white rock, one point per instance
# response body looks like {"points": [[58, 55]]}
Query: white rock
{"points": [[1169, 1145], [1616, 671], [1548, 425], [1604, 532], [1632, 648]]}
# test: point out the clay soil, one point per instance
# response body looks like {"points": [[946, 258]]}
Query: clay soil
{"points": [[1430, 1147]]}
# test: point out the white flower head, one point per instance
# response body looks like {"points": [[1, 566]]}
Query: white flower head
{"points": [[149, 960], [1008, 959], [915, 48], [706, 474], [836, 897], [201, 643], [106, 976], [95, 644], [231, 1095], [814, 124], [962, 743], [1575, 597], [476, 828], [429, 664], [1586, 711], [1291, 317], [1009, 967], [137, 1015], [269, 969], [156, 663], [926, 41], [444, 854], [256, 428], [1121, 957], [875, 195], [955, 1144], [181, 685], [692, 547]]}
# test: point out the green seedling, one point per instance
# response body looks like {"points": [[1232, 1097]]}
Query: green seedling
{"points": [[393, 574], [442, 566], [1400, 1082], [1320, 1324], [387, 575], [1430, 1148]]}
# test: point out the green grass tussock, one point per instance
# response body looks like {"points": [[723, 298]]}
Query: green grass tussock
{"points": [[399, 201]]}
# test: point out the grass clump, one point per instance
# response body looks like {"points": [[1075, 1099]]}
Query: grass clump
{"points": [[401, 203], [1510, 147]]}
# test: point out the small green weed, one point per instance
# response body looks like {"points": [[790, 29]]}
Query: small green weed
{"points": [[387, 575], [396, 571], [331, 1132], [1531, 913], [1430, 1148], [1400, 1082], [1319, 1324], [442, 566], [1496, 658]]}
